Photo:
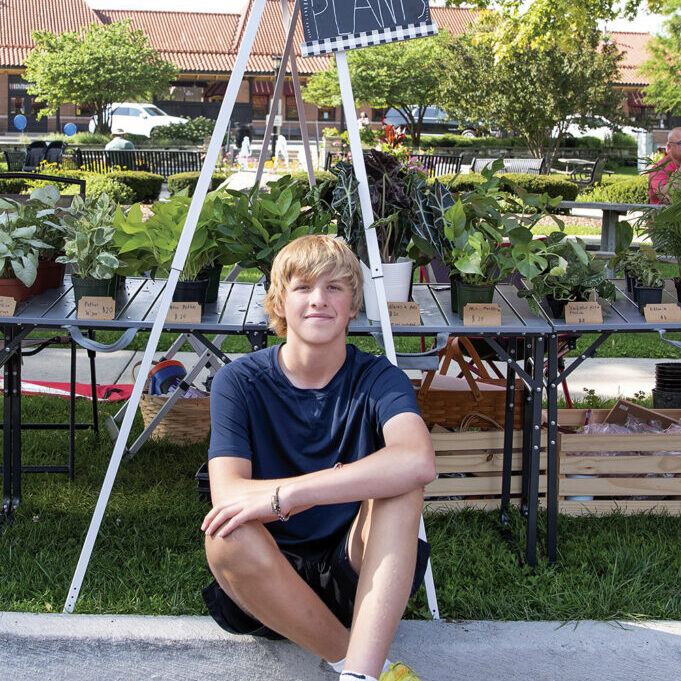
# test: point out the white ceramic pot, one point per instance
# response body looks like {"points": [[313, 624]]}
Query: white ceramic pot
{"points": [[397, 281]]}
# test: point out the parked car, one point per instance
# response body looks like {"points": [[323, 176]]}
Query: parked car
{"points": [[595, 126], [137, 118], [435, 120]]}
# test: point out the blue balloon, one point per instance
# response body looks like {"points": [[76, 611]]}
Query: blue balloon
{"points": [[20, 122], [70, 129]]}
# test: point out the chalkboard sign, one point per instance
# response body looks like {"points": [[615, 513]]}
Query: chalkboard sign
{"points": [[338, 25]]}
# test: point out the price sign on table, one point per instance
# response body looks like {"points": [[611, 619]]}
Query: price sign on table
{"points": [[96, 307], [186, 313], [7, 306], [584, 313], [404, 314], [662, 312], [482, 314]]}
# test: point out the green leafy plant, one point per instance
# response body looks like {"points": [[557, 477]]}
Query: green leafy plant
{"points": [[254, 226], [89, 238], [19, 250], [151, 244], [663, 226], [488, 232], [571, 273], [643, 265]]}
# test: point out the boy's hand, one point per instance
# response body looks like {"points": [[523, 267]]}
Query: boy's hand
{"points": [[253, 501]]}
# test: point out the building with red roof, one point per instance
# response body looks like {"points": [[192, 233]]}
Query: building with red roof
{"points": [[204, 47]]}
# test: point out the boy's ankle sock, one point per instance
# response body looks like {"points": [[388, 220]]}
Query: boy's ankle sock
{"points": [[354, 676], [386, 666], [337, 666]]}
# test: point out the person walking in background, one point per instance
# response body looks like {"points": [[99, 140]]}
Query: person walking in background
{"points": [[663, 177], [118, 141]]}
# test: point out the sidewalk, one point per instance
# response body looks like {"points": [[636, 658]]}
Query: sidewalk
{"points": [[609, 377], [127, 648]]}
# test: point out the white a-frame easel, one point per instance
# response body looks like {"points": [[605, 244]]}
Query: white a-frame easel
{"points": [[184, 244]]}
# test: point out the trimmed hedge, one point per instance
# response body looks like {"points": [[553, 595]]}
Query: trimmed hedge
{"points": [[320, 176], [634, 190], [535, 184], [448, 140], [180, 181], [118, 191], [145, 187], [12, 186]]}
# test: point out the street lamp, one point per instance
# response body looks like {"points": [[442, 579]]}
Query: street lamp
{"points": [[276, 65]]}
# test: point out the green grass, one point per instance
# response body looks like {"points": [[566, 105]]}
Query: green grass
{"points": [[149, 556]]}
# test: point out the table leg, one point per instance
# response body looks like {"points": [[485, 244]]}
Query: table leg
{"points": [[508, 436], [552, 448], [608, 227], [534, 450], [15, 371], [527, 432]]}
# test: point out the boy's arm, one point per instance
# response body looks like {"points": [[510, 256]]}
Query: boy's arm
{"points": [[405, 463]]}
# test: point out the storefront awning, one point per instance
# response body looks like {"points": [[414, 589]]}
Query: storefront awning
{"points": [[266, 87], [636, 99]]}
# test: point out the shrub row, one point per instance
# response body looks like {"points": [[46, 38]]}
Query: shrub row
{"points": [[618, 139], [634, 190], [535, 184], [194, 130], [180, 181]]}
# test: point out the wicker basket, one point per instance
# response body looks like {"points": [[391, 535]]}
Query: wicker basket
{"points": [[450, 402], [188, 420]]}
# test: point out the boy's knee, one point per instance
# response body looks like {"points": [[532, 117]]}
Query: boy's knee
{"points": [[409, 503], [246, 550]]}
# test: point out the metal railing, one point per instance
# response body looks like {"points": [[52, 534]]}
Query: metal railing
{"points": [[433, 164], [159, 161]]}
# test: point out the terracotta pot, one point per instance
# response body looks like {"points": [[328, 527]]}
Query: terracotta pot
{"points": [[13, 288], [50, 275]]}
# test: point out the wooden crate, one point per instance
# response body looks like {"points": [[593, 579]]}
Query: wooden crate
{"points": [[621, 479], [479, 457]]}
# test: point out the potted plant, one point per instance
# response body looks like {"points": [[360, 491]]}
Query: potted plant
{"points": [[19, 253], [40, 211], [488, 236], [648, 281], [664, 229], [570, 274], [399, 198], [150, 245], [89, 246], [252, 227]]}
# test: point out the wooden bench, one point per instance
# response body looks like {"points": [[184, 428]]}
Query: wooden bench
{"points": [[532, 166]]}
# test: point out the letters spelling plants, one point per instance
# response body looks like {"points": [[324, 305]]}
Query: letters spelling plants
{"points": [[254, 226]]}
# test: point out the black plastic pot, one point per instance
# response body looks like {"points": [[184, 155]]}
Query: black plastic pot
{"points": [[471, 293], [663, 399], [453, 281], [212, 274], [97, 288], [557, 307], [677, 286], [630, 279], [645, 295], [191, 292]]}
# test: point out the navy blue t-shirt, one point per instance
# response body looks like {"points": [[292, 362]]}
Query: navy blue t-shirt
{"points": [[284, 431]]}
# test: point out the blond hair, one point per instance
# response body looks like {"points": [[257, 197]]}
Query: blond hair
{"points": [[310, 257]]}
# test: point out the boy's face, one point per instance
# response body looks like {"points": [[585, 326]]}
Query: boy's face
{"points": [[317, 312]]}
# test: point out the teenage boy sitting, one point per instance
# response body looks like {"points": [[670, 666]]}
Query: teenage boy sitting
{"points": [[317, 461]]}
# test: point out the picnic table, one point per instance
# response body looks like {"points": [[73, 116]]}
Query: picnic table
{"points": [[239, 310]]}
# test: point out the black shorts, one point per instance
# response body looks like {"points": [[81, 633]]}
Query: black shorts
{"points": [[330, 576]]}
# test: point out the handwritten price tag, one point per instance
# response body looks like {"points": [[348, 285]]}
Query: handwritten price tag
{"points": [[662, 312], [96, 307], [7, 306], [404, 314], [186, 313], [482, 314], [584, 313]]}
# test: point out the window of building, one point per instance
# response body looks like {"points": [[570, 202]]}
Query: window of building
{"points": [[260, 106], [290, 108], [377, 114], [326, 113]]}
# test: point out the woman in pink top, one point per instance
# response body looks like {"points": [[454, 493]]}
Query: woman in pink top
{"points": [[658, 184]]}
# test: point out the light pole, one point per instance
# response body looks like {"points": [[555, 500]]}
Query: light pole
{"points": [[276, 65]]}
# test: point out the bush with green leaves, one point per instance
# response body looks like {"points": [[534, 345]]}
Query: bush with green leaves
{"points": [[81, 138], [12, 185], [195, 130], [89, 237], [449, 140], [145, 187], [586, 142], [322, 178], [188, 181], [634, 190], [534, 184], [97, 185], [621, 139], [255, 225]]}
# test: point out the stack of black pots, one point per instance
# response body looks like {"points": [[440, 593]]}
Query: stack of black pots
{"points": [[667, 390]]}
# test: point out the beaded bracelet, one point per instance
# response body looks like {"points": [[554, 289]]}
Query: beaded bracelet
{"points": [[276, 507]]}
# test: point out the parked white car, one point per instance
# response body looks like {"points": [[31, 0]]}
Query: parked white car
{"points": [[595, 126], [136, 118]]}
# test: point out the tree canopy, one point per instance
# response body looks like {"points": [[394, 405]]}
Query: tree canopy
{"points": [[404, 75], [96, 66], [664, 65], [535, 90]]}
